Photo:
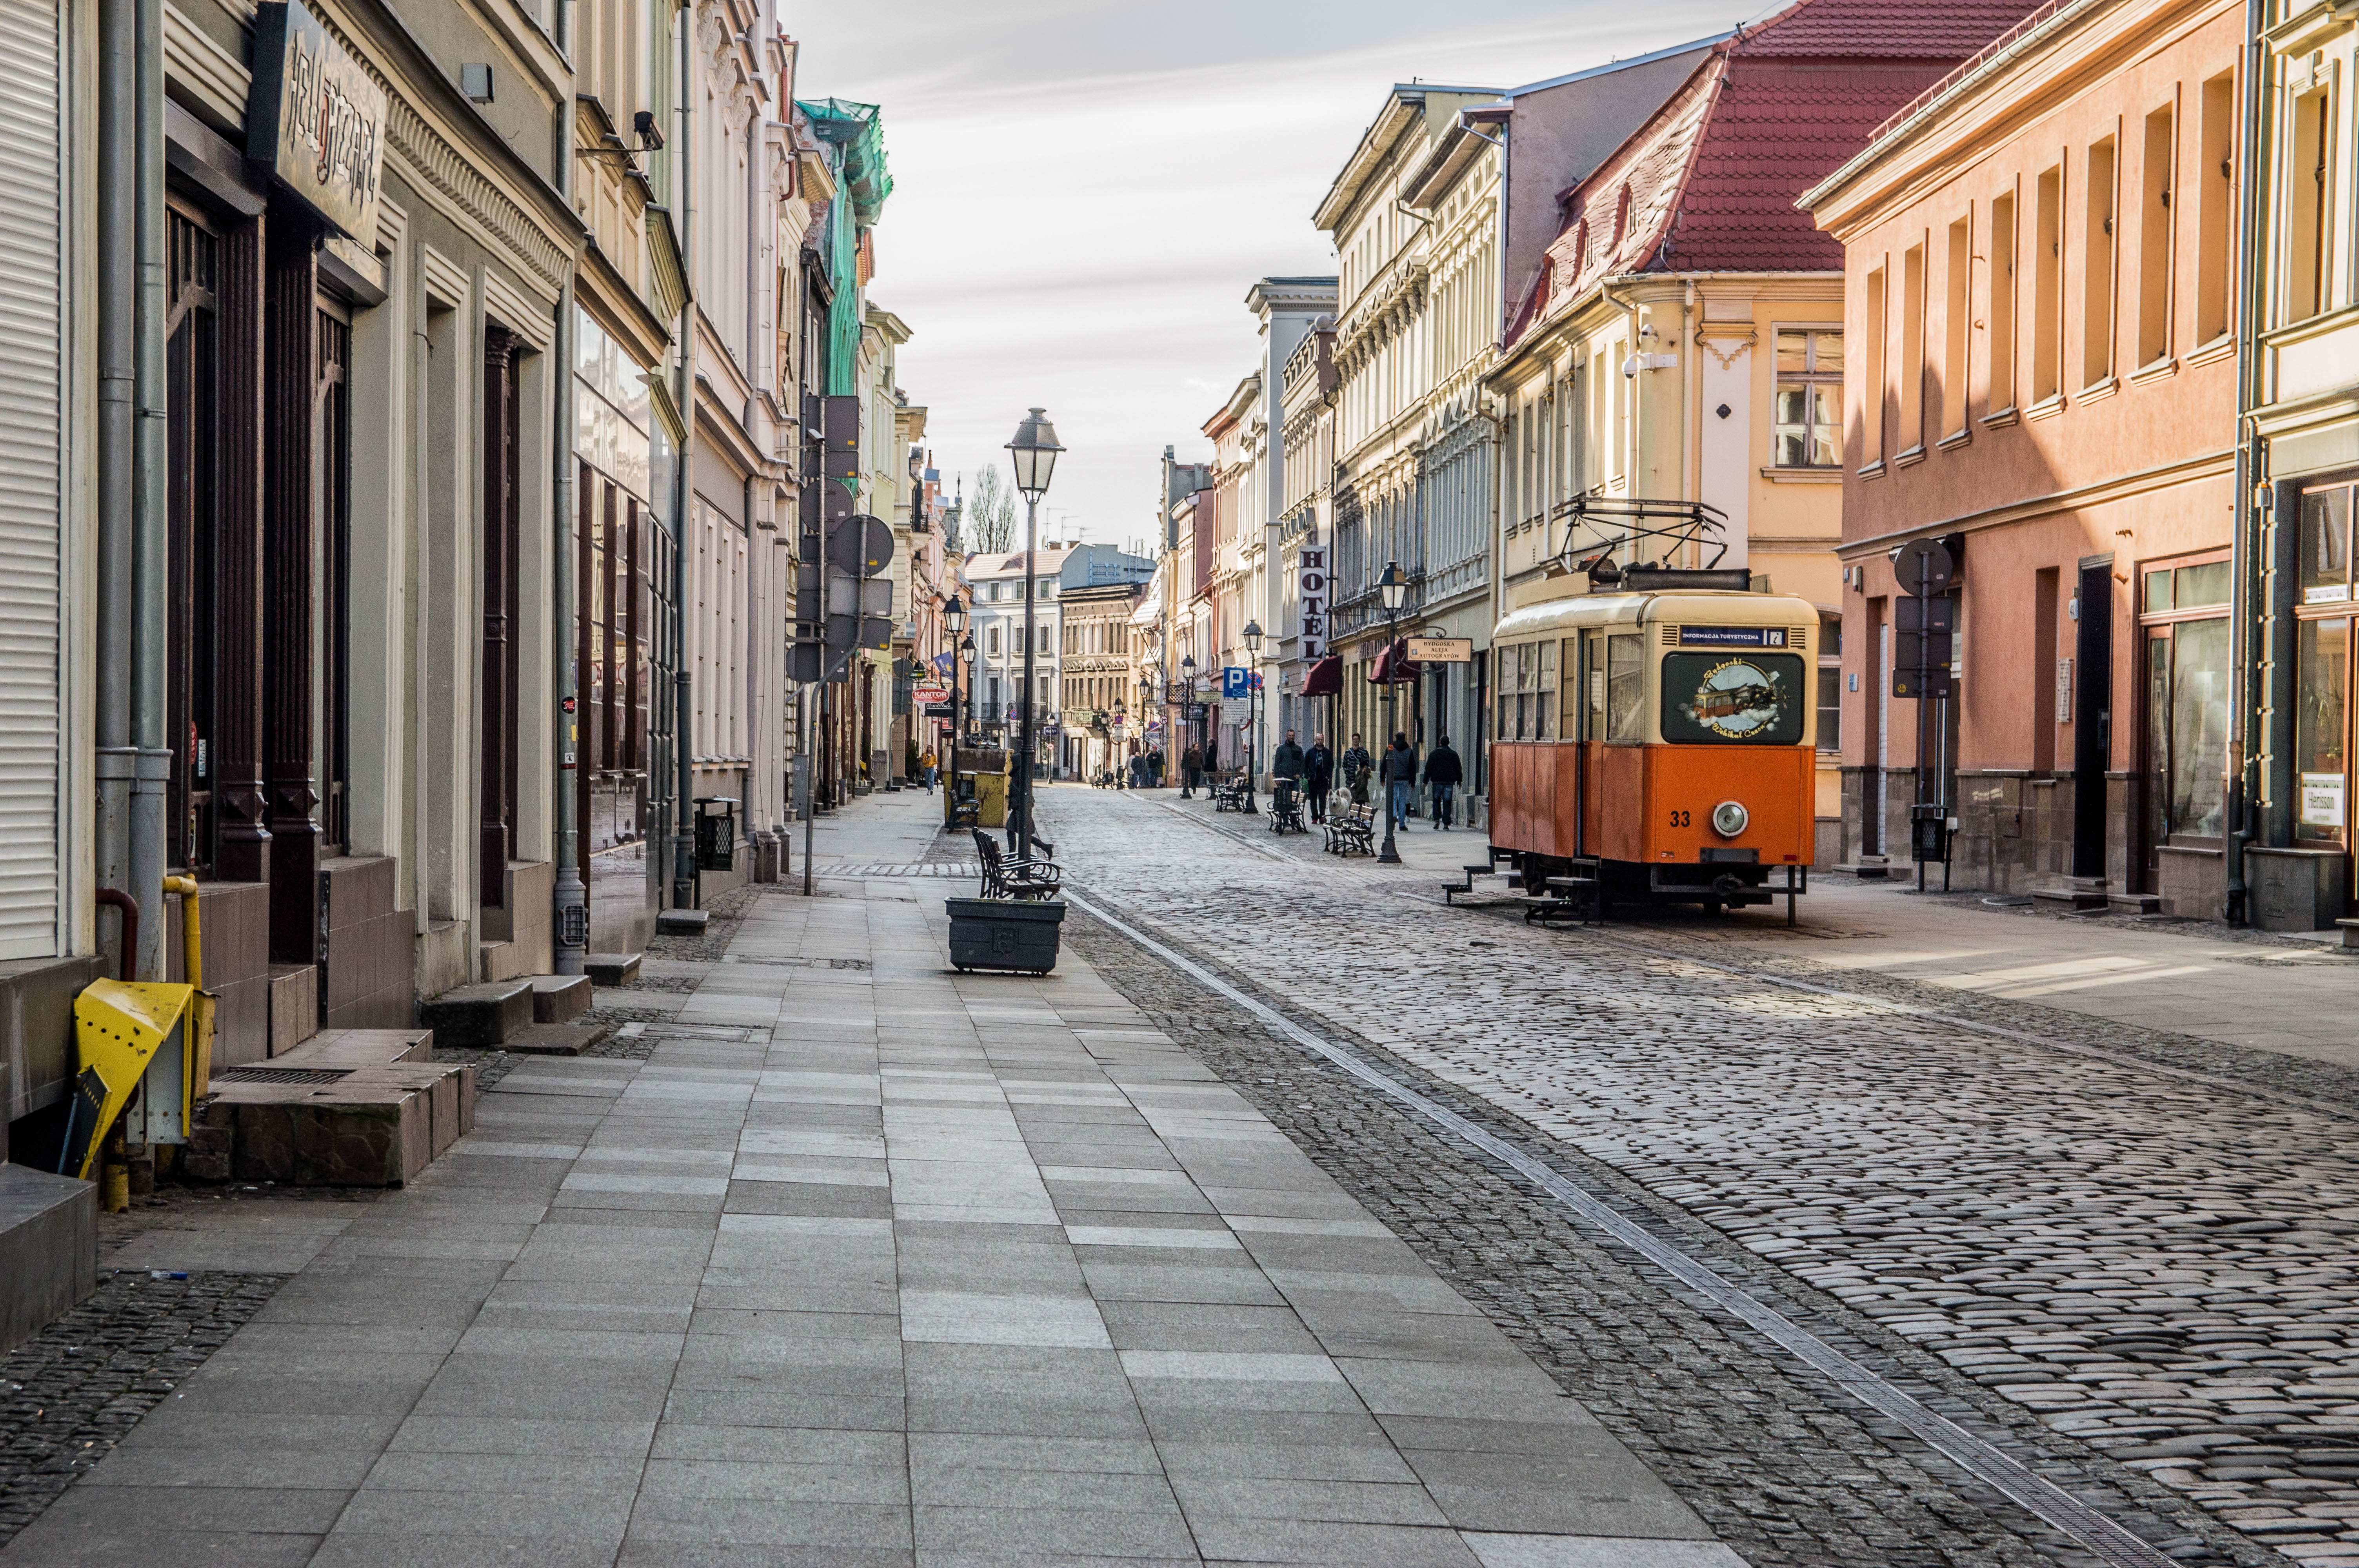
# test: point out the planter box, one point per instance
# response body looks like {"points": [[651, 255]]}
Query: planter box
{"points": [[1004, 933]]}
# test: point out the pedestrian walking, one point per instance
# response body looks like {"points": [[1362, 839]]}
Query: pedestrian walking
{"points": [[928, 764], [1191, 770], [1357, 766], [1400, 780], [1443, 774], [1318, 776], [1286, 761], [1154, 767]]}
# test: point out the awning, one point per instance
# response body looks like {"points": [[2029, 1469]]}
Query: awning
{"points": [[1325, 676], [1394, 665]]}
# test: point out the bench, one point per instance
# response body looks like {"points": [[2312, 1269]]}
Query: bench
{"points": [[1006, 876], [1229, 793], [1352, 830]]}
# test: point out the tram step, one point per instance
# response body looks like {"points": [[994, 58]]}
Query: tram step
{"points": [[1483, 870], [1570, 885]]}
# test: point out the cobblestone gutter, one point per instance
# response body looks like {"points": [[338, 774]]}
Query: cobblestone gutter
{"points": [[69, 1395]]}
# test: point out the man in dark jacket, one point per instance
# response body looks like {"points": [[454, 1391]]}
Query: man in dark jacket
{"points": [[1191, 770], [1287, 763], [1399, 775], [1443, 775], [1318, 776], [1356, 764]]}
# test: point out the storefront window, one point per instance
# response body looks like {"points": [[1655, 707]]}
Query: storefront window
{"points": [[2323, 776], [2199, 727], [2326, 546]]}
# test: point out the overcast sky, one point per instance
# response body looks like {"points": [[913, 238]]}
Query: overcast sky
{"points": [[1085, 190]]}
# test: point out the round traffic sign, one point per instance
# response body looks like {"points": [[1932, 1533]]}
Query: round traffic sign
{"points": [[1923, 566], [860, 545]]}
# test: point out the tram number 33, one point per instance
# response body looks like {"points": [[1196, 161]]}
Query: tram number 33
{"points": [[1680, 820]]}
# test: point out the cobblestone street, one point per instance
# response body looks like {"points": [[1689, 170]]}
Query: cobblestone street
{"points": [[2143, 1241]]}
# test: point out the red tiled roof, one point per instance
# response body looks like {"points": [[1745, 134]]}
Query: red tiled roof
{"points": [[1881, 29], [1709, 182]]}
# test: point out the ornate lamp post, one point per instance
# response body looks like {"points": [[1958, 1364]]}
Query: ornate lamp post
{"points": [[1253, 709], [1394, 589], [953, 622], [958, 729], [1034, 452]]}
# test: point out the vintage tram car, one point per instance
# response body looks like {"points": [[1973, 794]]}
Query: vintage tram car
{"points": [[1657, 746]]}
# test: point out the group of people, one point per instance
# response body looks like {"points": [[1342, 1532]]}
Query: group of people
{"points": [[1313, 772]]}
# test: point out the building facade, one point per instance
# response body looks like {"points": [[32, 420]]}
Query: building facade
{"points": [[2040, 372]]}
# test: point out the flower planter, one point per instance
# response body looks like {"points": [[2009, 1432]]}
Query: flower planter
{"points": [[1004, 933]]}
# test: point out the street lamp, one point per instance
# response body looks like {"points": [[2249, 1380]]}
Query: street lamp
{"points": [[958, 729], [1034, 453], [1253, 708], [953, 622], [1187, 703], [1393, 587]]}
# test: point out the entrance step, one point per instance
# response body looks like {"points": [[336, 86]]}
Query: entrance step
{"points": [[484, 1014], [501, 960], [348, 1127], [1868, 866], [560, 998], [557, 1039], [294, 1005], [611, 968], [2134, 903], [682, 921], [2348, 931], [48, 1248], [361, 1048], [2086, 895]]}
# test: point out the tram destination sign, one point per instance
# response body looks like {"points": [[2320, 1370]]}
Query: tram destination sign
{"points": [[1731, 636], [318, 119]]}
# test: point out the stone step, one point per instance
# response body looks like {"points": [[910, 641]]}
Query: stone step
{"points": [[360, 1048], [560, 998], [48, 1248], [682, 921], [483, 1014], [363, 1127], [611, 968], [500, 960], [557, 1039], [294, 1005]]}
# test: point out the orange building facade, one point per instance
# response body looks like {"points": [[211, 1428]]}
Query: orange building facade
{"points": [[2040, 297]]}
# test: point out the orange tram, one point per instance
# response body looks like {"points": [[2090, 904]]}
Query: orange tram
{"points": [[1656, 748]]}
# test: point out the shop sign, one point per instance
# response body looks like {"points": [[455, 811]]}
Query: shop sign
{"points": [[1441, 650], [2322, 799], [318, 119], [1312, 602], [930, 694]]}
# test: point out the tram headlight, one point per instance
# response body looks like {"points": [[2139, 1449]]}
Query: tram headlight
{"points": [[1728, 818]]}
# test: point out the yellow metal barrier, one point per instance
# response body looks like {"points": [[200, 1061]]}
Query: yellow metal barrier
{"points": [[152, 1038]]}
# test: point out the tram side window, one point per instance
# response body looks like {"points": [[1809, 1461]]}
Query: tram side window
{"points": [[1625, 687], [1526, 691]]}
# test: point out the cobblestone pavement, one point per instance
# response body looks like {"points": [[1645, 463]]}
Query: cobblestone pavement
{"points": [[2159, 1268]]}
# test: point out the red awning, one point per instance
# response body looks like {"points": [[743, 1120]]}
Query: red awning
{"points": [[1325, 676], [1393, 665]]}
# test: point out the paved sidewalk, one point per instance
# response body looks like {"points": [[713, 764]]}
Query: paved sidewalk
{"points": [[869, 1263]]}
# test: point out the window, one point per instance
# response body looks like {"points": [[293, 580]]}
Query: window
{"points": [[2310, 211], [1727, 699], [991, 641], [2323, 659], [2097, 282], [2047, 288], [2153, 238], [1912, 350], [2213, 218], [1626, 688], [1872, 381], [2184, 608], [1830, 736], [1957, 317], [2002, 303], [1808, 431], [2326, 546]]}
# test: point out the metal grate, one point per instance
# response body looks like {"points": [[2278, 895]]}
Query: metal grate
{"points": [[281, 1074]]}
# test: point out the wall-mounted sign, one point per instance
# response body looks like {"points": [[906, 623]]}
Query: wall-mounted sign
{"points": [[1442, 650], [930, 694], [2322, 799], [317, 118], [1312, 589]]}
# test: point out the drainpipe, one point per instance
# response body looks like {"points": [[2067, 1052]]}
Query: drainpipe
{"points": [[570, 933], [1691, 391], [150, 542], [2247, 574], [117, 762], [683, 840]]}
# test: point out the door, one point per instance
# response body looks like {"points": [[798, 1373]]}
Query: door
{"points": [[191, 406], [2092, 718]]}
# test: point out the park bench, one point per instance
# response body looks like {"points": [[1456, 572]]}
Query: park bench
{"points": [[1352, 830], [1004, 876]]}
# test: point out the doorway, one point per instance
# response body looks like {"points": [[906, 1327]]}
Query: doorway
{"points": [[2093, 726]]}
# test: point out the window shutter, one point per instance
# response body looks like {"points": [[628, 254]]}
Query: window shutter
{"points": [[32, 380]]}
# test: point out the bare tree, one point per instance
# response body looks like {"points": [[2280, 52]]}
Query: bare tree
{"points": [[990, 521]]}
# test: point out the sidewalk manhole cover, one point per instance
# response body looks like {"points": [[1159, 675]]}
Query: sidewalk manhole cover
{"points": [[280, 1074]]}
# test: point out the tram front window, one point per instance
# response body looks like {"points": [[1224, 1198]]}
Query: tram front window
{"points": [[1740, 698]]}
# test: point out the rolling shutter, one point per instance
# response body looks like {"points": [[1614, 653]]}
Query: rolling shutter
{"points": [[32, 406]]}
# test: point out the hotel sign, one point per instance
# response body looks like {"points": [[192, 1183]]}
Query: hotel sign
{"points": [[1312, 588], [318, 119]]}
